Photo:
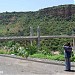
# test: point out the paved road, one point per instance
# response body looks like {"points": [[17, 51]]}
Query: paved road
{"points": [[12, 66]]}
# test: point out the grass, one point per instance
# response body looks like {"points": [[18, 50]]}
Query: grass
{"points": [[4, 52], [42, 56], [51, 57]]}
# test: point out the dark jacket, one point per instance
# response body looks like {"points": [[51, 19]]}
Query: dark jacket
{"points": [[68, 51]]}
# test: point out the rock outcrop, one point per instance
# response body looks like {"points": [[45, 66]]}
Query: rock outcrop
{"points": [[64, 11]]}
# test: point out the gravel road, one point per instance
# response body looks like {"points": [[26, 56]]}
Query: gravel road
{"points": [[12, 66]]}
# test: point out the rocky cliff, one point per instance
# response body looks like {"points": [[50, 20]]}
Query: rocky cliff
{"points": [[64, 11]]}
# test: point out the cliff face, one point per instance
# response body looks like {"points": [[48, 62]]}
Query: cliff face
{"points": [[64, 11]]}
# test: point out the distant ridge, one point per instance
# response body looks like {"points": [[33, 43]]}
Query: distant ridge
{"points": [[61, 10], [54, 20]]}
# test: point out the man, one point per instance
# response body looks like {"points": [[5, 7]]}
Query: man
{"points": [[67, 52]]}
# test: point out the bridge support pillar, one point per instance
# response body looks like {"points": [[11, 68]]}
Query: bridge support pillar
{"points": [[38, 34], [31, 34], [74, 45]]}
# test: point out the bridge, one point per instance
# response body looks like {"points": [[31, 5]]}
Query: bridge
{"points": [[38, 37], [34, 37]]}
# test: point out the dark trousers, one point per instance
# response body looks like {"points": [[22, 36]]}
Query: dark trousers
{"points": [[67, 64]]}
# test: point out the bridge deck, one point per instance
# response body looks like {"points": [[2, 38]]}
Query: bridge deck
{"points": [[34, 37]]}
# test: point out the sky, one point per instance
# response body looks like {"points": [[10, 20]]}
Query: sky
{"points": [[30, 5]]}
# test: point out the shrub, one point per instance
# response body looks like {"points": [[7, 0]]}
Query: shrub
{"points": [[10, 43], [21, 51], [73, 58], [31, 50], [44, 50]]}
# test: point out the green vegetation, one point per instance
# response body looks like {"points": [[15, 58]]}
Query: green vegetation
{"points": [[16, 48], [18, 23], [50, 23], [11, 47], [51, 57]]}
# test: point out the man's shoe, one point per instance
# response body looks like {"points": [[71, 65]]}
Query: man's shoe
{"points": [[68, 70]]}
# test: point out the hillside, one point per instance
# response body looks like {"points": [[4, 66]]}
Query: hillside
{"points": [[55, 20]]}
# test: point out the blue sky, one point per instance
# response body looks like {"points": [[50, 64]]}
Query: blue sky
{"points": [[30, 5]]}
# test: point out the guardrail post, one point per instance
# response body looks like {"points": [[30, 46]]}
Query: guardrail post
{"points": [[38, 35], [31, 34]]}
